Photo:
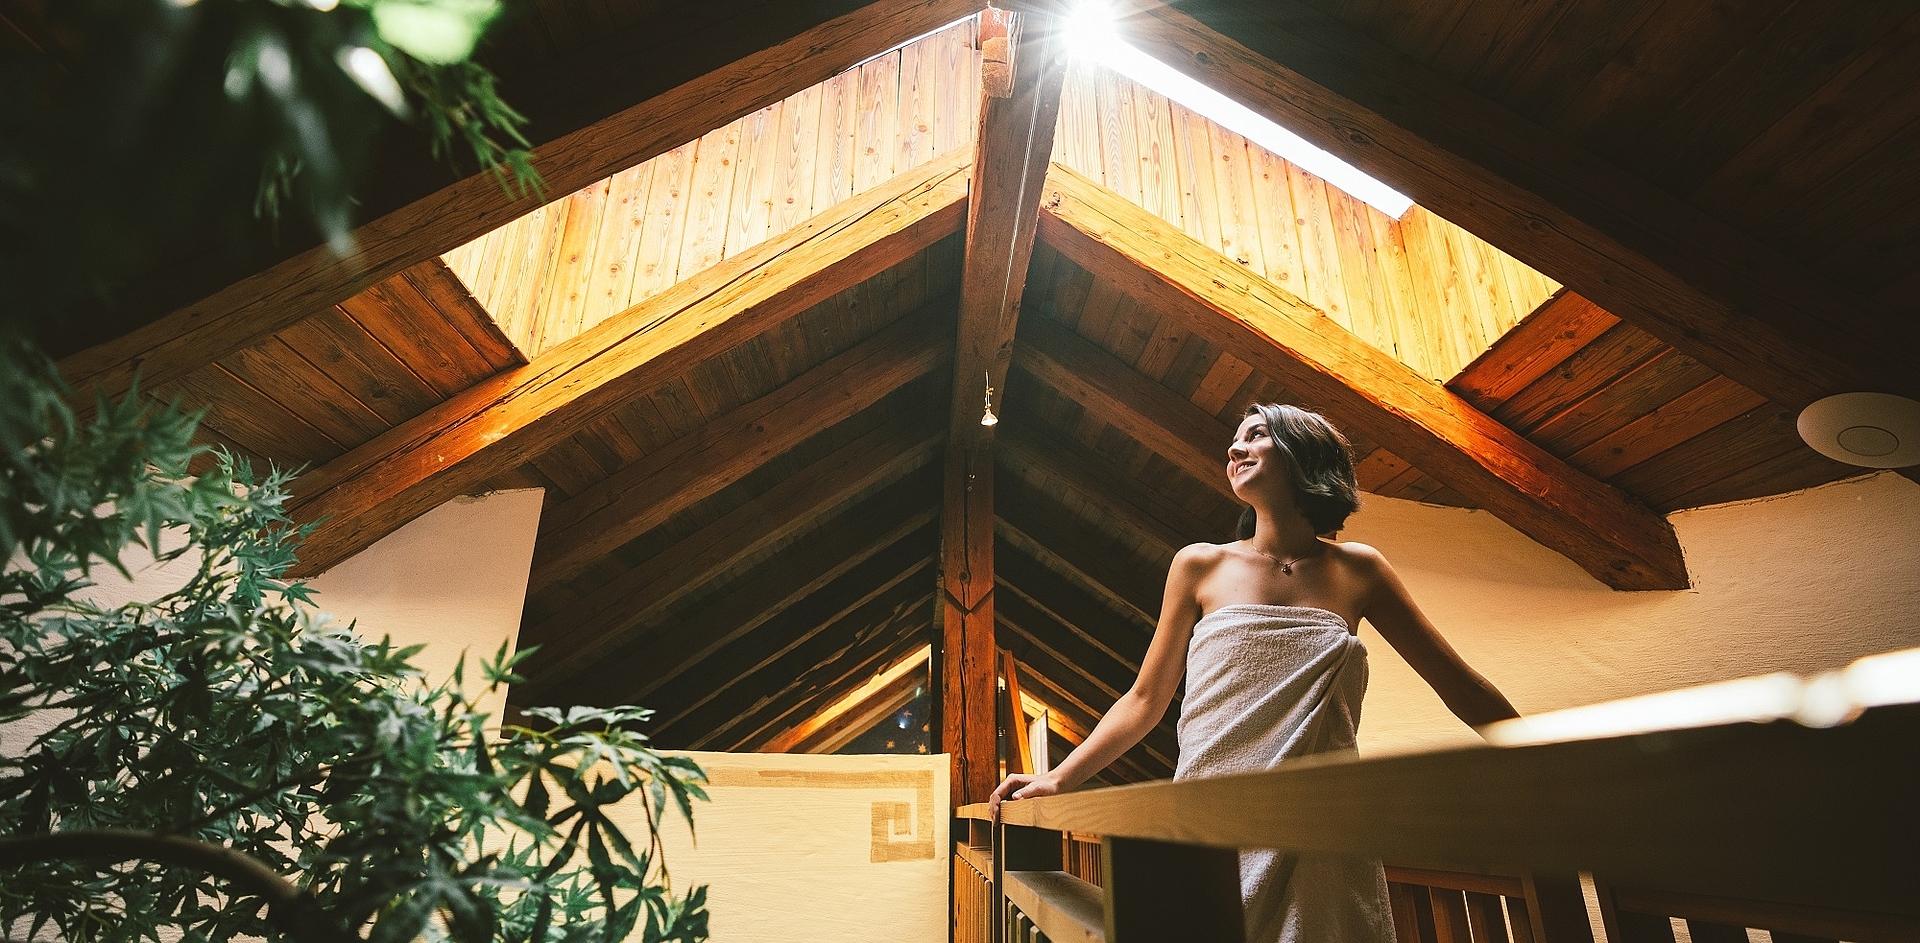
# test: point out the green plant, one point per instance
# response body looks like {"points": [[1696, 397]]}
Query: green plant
{"points": [[142, 124], [220, 762]]}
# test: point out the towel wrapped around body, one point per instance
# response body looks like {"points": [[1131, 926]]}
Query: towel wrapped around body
{"points": [[1266, 684]]}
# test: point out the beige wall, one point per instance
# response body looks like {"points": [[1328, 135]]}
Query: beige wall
{"points": [[825, 849], [454, 578], [1802, 582]]}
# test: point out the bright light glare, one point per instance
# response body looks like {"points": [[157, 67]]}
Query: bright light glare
{"points": [[1091, 38]]}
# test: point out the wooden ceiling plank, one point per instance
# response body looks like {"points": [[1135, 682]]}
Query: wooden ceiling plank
{"points": [[812, 562], [893, 574], [912, 669], [725, 449], [585, 130], [767, 730], [1071, 644], [1620, 351], [1012, 147], [1711, 291], [1157, 417], [1119, 495], [1668, 374], [581, 631], [1066, 684], [1622, 543], [501, 422], [829, 665], [1711, 403], [1076, 550], [854, 724], [1559, 328], [1115, 637], [449, 296]]}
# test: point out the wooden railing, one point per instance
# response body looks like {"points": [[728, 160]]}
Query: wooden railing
{"points": [[1806, 834]]}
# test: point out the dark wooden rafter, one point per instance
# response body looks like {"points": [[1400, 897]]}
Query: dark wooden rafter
{"points": [[578, 634], [783, 721], [1111, 490], [1012, 148], [866, 599], [854, 713], [500, 423], [726, 448], [655, 657], [1069, 545], [1136, 765], [1707, 289], [1622, 543], [703, 78], [1160, 419]]}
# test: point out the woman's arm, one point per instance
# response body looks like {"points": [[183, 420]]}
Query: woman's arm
{"points": [[1138, 710], [1391, 609]]}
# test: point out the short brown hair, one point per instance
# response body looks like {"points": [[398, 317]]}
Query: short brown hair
{"points": [[1320, 462]]}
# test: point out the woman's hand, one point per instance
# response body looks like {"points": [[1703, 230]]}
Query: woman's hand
{"points": [[1022, 786]]}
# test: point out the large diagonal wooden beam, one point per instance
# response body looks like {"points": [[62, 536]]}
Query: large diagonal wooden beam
{"points": [[1708, 289], [517, 414], [656, 657], [1012, 149], [775, 727], [726, 448], [584, 630], [645, 94], [1621, 542]]}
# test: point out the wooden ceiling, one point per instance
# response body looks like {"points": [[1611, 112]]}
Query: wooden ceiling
{"points": [[744, 346]]}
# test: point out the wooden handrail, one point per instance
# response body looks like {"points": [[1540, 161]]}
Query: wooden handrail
{"points": [[1810, 817], [1065, 908]]}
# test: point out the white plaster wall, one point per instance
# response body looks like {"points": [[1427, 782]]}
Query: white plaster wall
{"points": [[454, 578], [1802, 582]]}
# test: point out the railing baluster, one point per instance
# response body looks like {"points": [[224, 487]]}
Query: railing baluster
{"points": [[1558, 909], [1161, 892], [1449, 916], [1485, 918], [1520, 919]]}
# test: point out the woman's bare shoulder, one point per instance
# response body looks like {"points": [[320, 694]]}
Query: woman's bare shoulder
{"points": [[1200, 558], [1361, 557]]}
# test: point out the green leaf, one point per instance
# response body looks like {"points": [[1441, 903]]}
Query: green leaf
{"points": [[439, 32]]}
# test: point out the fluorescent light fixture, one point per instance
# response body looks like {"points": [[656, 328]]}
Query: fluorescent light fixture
{"points": [[1092, 38]]}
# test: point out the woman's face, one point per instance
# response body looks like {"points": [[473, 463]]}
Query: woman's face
{"points": [[1252, 458]]}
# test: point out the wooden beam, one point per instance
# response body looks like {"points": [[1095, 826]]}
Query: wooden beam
{"points": [[800, 637], [822, 685], [1621, 542], [656, 657], [500, 423], [1076, 549], [1136, 765], [967, 693], [1709, 290], [884, 695], [1012, 148], [650, 90], [721, 451], [583, 631], [1111, 490], [1099, 632], [1158, 418], [912, 667]]}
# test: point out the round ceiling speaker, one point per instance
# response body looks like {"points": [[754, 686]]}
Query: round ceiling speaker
{"points": [[1876, 430]]}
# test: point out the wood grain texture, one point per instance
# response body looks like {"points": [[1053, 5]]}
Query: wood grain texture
{"points": [[1012, 149], [494, 426], [1623, 544], [727, 447], [754, 55], [1810, 817], [1706, 288], [967, 691]]}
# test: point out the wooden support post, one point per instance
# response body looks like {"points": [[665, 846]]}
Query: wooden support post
{"points": [[967, 650], [1558, 909], [1019, 751], [1011, 151], [1160, 892]]}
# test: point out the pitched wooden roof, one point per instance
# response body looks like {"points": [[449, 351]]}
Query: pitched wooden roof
{"points": [[1647, 235]]}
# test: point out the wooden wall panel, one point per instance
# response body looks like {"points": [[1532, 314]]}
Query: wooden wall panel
{"points": [[575, 262], [1420, 288]]}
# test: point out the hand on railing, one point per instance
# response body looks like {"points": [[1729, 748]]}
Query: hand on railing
{"points": [[1022, 786]]}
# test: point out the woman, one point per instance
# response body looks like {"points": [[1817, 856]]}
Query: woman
{"points": [[1264, 629]]}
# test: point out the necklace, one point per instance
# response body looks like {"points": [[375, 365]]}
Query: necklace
{"points": [[1286, 566]]}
